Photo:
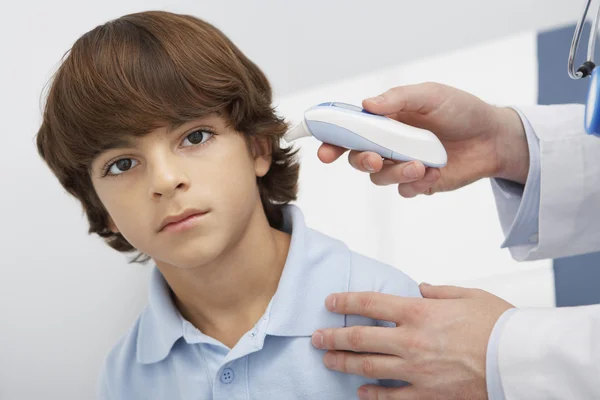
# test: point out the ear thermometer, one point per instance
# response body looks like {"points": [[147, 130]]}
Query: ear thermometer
{"points": [[354, 128]]}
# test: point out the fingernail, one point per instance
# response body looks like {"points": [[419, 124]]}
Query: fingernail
{"points": [[410, 171], [363, 393], [368, 165], [377, 100], [329, 360], [330, 303], [317, 340]]}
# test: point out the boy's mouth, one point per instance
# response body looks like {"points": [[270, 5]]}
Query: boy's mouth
{"points": [[180, 221]]}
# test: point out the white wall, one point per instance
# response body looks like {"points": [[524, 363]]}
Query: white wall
{"points": [[65, 297], [447, 238]]}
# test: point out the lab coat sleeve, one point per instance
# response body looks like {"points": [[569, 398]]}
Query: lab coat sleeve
{"points": [[547, 353], [569, 215]]}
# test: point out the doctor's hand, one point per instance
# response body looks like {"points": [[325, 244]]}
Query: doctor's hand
{"points": [[439, 343], [481, 140]]}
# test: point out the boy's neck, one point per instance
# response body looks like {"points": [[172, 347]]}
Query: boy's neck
{"points": [[225, 299]]}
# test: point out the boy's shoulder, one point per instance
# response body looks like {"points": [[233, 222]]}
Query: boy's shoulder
{"points": [[368, 274], [118, 362], [365, 273], [130, 362], [329, 258]]}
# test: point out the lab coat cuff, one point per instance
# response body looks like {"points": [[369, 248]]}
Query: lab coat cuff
{"points": [[492, 369], [550, 353]]}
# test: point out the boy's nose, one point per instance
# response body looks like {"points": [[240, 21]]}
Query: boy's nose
{"points": [[166, 179]]}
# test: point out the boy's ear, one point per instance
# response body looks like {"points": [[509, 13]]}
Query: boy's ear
{"points": [[262, 156]]}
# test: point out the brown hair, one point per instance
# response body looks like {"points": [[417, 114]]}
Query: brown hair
{"points": [[142, 71]]}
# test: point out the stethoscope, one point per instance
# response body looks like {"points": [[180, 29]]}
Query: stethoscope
{"points": [[588, 68]]}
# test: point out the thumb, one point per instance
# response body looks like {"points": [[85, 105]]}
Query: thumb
{"points": [[443, 292], [422, 98]]}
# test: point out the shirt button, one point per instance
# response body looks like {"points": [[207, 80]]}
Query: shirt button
{"points": [[227, 375]]}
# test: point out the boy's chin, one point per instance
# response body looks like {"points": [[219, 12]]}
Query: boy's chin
{"points": [[194, 258]]}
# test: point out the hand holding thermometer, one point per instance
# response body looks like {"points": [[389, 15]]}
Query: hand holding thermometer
{"points": [[351, 127]]}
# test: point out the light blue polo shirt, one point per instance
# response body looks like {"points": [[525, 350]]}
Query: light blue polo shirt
{"points": [[165, 357]]}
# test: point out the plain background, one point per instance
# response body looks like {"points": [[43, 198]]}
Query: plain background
{"points": [[65, 297]]}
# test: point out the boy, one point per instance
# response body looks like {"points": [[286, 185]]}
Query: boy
{"points": [[165, 132]]}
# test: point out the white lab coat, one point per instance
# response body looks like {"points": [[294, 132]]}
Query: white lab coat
{"points": [[554, 353]]}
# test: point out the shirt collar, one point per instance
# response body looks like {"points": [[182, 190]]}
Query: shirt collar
{"points": [[316, 266], [160, 324]]}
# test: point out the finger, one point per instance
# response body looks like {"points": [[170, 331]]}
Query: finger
{"points": [[374, 392], [328, 153], [365, 161], [445, 292], [377, 366], [374, 305], [399, 173], [420, 98], [363, 339], [425, 185]]}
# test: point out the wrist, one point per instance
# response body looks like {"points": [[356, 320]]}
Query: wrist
{"points": [[512, 150]]}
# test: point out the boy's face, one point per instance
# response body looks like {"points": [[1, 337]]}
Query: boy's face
{"points": [[203, 168]]}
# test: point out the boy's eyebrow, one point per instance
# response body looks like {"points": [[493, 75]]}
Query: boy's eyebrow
{"points": [[172, 127], [111, 145], [129, 141], [175, 125], [118, 144]]}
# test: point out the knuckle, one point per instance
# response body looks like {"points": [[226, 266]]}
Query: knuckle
{"points": [[431, 85], [393, 91], [356, 338], [422, 368], [367, 303], [418, 310], [415, 344], [395, 95], [368, 367]]}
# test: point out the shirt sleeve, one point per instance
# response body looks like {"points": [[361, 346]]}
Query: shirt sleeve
{"points": [[103, 392], [519, 205]]}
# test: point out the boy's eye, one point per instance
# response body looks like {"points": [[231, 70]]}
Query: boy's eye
{"points": [[197, 137], [122, 165]]}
